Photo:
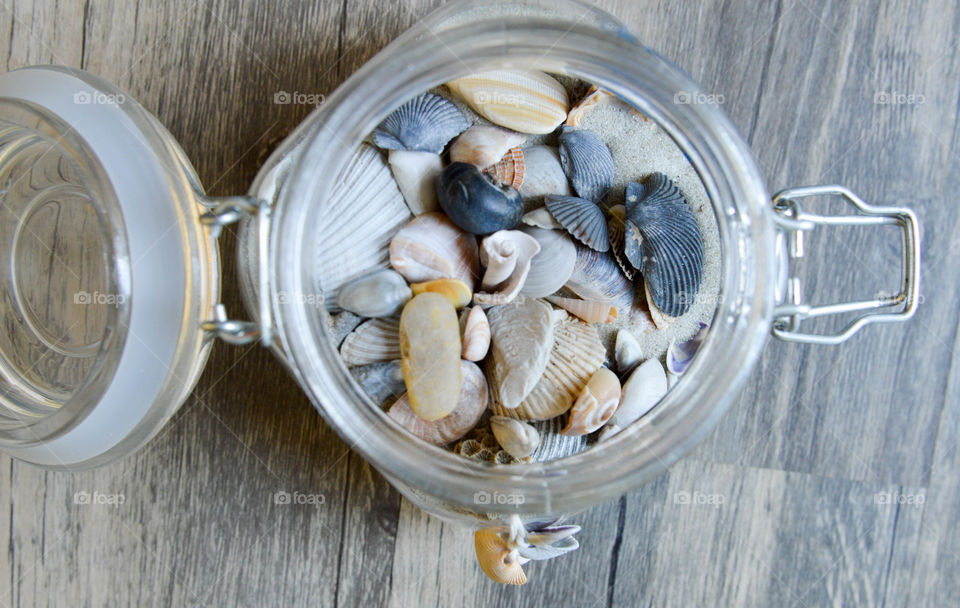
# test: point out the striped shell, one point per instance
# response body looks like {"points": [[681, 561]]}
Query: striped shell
{"points": [[521, 335], [616, 232], [496, 559], [484, 145], [543, 173], [595, 405], [664, 243], [589, 311], [476, 334], [554, 444], [373, 341], [527, 101], [587, 161], [363, 212], [424, 124], [549, 269], [581, 218], [597, 277], [433, 247], [509, 170]]}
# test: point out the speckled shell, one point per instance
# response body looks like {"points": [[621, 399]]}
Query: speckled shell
{"points": [[581, 218], [476, 334], [470, 408], [495, 558], [361, 215], [596, 276], [433, 247], [549, 269], [509, 170], [589, 311], [506, 255], [518, 438], [416, 174], [543, 173], [382, 382], [522, 334], [616, 232], [595, 405], [587, 162], [425, 124], [372, 341], [664, 243], [527, 101], [484, 145], [555, 445]]}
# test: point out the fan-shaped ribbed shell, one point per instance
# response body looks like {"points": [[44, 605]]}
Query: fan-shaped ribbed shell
{"points": [[664, 243], [509, 170], [597, 277], [363, 212], [549, 269], [587, 161], [553, 444], [484, 145], [543, 173], [373, 341], [495, 558], [425, 124], [527, 101], [581, 218], [617, 231]]}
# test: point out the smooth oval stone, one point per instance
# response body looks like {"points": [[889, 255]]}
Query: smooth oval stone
{"points": [[430, 352], [379, 294], [475, 203]]}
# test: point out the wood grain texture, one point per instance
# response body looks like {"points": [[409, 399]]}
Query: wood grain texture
{"points": [[248, 498]]}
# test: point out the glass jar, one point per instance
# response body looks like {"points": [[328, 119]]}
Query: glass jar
{"points": [[758, 295]]}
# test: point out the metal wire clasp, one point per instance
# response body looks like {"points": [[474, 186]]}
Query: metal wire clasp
{"points": [[794, 222], [228, 210]]}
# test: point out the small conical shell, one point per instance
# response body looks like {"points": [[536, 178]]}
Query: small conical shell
{"points": [[543, 174], [506, 255], [484, 145], [509, 170], [433, 247], [527, 101], [518, 438], [581, 218], [416, 175], [552, 267], [476, 335], [616, 231], [645, 387], [495, 558], [521, 334], [590, 311], [596, 404], [371, 342]]}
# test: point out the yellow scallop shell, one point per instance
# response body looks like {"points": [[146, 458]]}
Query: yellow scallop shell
{"points": [[495, 559]]}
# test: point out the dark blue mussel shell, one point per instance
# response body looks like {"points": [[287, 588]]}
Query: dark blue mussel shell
{"points": [[475, 203]]}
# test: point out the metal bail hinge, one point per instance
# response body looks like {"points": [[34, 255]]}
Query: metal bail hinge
{"points": [[228, 210], [794, 222]]}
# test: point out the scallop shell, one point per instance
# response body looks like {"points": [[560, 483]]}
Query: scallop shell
{"points": [[496, 559], [506, 255], [433, 247], [527, 101], [616, 232], [645, 387], [679, 356], [454, 290], [555, 445], [521, 336], [575, 355], [484, 145], [373, 341], [476, 334], [425, 124], [509, 170], [581, 218], [595, 405], [416, 174], [664, 243], [379, 294], [363, 212], [597, 277], [549, 269], [590, 311], [382, 382], [543, 173], [518, 438], [474, 397], [596, 97], [628, 352], [587, 162], [541, 218], [340, 325]]}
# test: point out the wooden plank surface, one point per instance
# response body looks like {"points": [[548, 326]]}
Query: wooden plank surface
{"points": [[791, 501]]}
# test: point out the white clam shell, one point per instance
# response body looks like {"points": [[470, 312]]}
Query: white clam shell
{"points": [[543, 173], [506, 255], [528, 101], [595, 405], [627, 352], [521, 336], [590, 311], [433, 247], [360, 217], [416, 174], [372, 341], [518, 438], [476, 334], [468, 412], [379, 294], [484, 145], [645, 387], [552, 267]]}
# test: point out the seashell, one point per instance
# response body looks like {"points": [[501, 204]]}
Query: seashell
{"points": [[616, 232], [430, 351], [575, 355], [541, 218], [594, 98], [587, 162], [581, 218], [679, 356], [480, 445], [596, 404], [469, 409], [521, 336], [425, 124], [528, 101], [627, 352], [340, 325], [555, 445], [509, 170], [432, 247], [518, 438], [373, 341], [475, 203], [664, 243], [476, 335], [660, 320], [597, 277], [590, 311], [363, 212], [549, 269], [484, 145], [379, 294], [382, 382], [506, 255], [496, 558], [416, 175], [561, 547], [645, 387], [455, 290], [543, 173]]}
